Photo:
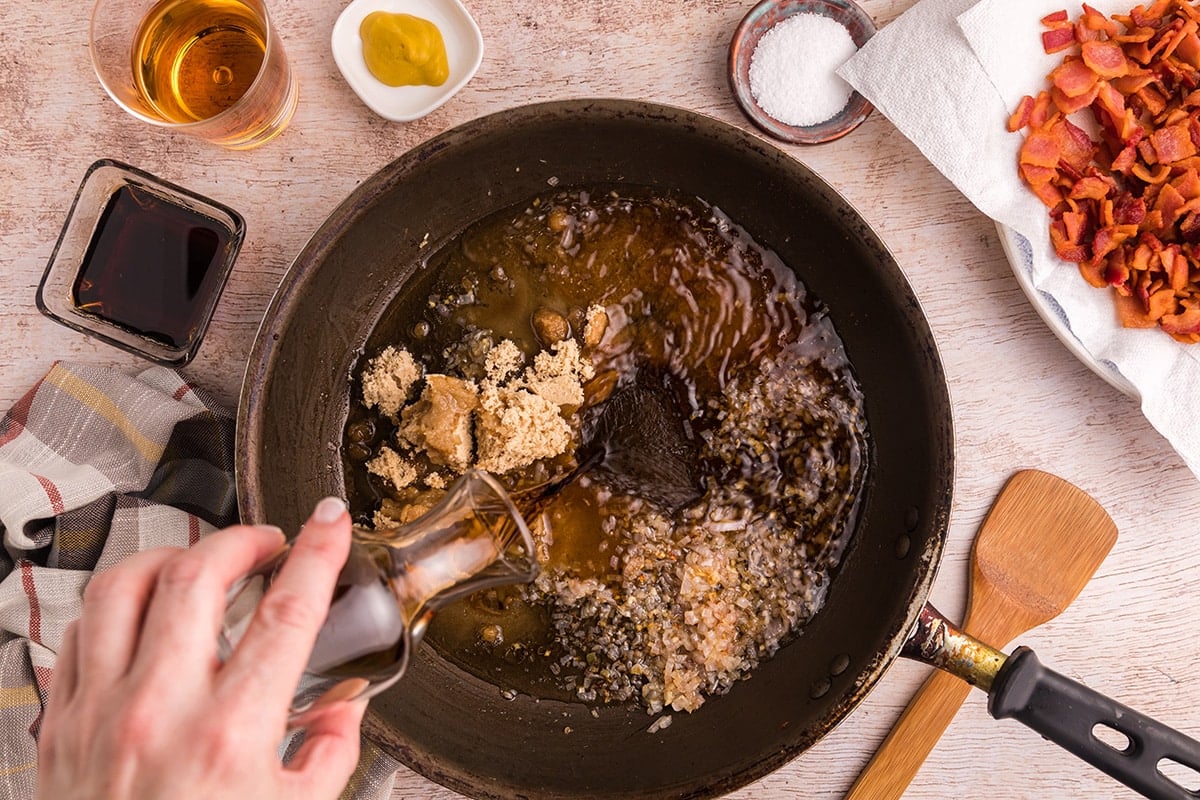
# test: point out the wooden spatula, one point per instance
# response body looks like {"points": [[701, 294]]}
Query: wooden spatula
{"points": [[1039, 546]]}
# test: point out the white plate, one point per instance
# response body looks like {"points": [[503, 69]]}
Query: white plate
{"points": [[464, 51], [1020, 256]]}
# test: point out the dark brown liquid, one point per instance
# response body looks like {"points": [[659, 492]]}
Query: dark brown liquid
{"points": [[151, 266]]}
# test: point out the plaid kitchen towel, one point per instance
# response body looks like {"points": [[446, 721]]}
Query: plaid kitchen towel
{"points": [[94, 466]]}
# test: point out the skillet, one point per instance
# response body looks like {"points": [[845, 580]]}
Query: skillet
{"points": [[459, 730]]}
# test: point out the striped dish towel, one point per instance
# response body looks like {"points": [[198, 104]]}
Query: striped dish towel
{"points": [[96, 465]]}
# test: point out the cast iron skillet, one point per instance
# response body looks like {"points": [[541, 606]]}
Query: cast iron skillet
{"points": [[459, 730]]}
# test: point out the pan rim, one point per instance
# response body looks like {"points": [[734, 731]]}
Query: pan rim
{"points": [[308, 259]]}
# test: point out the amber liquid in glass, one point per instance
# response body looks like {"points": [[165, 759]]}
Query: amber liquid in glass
{"points": [[193, 59]]}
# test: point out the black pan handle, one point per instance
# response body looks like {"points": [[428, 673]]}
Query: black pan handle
{"points": [[1066, 712]]}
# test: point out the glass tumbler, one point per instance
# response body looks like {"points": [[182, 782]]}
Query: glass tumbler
{"points": [[215, 69], [393, 582]]}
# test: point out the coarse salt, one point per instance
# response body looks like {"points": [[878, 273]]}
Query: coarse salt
{"points": [[792, 70]]}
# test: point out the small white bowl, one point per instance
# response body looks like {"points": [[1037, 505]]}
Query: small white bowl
{"points": [[464, 51]]}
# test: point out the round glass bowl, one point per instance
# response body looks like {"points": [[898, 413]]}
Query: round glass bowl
{"points": [[761, 19]]}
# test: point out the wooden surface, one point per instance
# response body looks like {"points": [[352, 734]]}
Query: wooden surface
{"points": [[1040, 545], [1020, 399]]}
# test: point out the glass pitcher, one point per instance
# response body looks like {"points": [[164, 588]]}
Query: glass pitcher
{"points": [[393, 582]]}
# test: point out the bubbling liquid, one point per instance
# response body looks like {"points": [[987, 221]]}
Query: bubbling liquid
{"points": [[636, 603]]}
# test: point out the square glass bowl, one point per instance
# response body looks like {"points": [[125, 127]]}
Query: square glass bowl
{"points": [[140, 263]]}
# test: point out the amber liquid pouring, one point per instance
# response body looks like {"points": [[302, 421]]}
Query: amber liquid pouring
{"points": [[393, 581], [194, 59], [351, 583]]}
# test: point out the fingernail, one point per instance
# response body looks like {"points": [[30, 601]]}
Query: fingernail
{"points": [[329, 510], [271, 529]]}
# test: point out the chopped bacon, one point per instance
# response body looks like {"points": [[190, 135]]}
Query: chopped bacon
{"points": [[1075, 146], [1105, 58], [1085, 34], [1074, 77], [1111, 102], [1128, 210], [1041, 113], [1130, 84], [1169, 203], [1036, 176], [1092, 187], [1142, 16], [1040, 150], [1188, 186], [1094, 20], [1048, 193], [1188, 50], [1115, 273], [1151, 99], [1175, 264], [1189, 228], [1067, 248], [1172, 143], [1159, 303], [1058, 39], [1154, 175], [1069, 105], [1020, 117], [1135, 36], [1095, 273], [1186, 322], [1109, 238], [1075, 225], [1132, 312], [1125, 208]]}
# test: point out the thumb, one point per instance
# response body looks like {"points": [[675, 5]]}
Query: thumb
{"points": [[326, 761]]}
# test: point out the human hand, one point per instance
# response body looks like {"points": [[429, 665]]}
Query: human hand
{"points": [[142, 708]]}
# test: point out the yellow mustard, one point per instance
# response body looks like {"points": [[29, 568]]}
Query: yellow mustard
{"points": [[403, 50]]}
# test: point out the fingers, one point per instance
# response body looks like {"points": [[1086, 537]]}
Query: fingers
{"points": [[269, 660], [188, 600], [66, 678], [329, 755], [114, 603]]}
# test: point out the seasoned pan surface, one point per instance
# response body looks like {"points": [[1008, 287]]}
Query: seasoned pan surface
{"points": [[461, 731]]}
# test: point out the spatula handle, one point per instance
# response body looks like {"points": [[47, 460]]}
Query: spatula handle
{"points": [[901, 755], [1066, 712]]}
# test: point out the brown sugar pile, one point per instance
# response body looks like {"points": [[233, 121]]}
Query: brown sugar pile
{"points": [[388, 381], [440, 423], [512, 417]]}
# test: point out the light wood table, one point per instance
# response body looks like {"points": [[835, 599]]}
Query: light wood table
{"points": [[1019, 398]]}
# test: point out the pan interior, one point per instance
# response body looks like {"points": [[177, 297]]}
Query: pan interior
{"points": [[460, 730], [722, 426]]}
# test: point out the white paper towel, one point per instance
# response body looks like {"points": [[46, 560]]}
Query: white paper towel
{"points": [[948, 74]]}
